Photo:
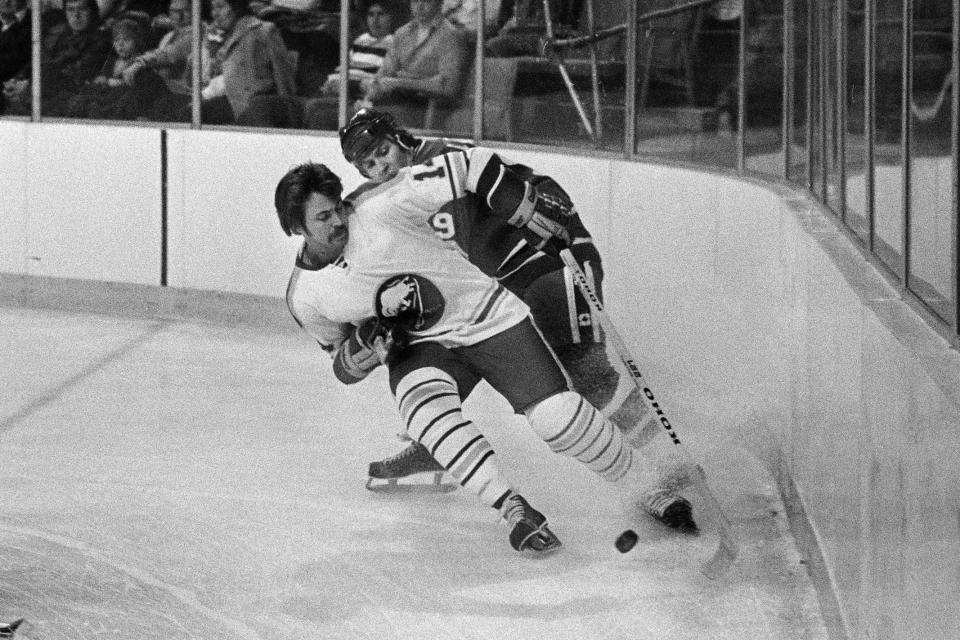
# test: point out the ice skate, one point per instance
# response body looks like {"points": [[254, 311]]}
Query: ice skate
{"points": [[412, 461], [669, 508], [528, 527], [9, 629]]}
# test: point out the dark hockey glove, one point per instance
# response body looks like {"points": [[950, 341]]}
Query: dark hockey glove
{"points": [[543, 217], [371, 344]]}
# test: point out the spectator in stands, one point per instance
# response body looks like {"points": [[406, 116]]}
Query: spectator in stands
{"points": [[111, 96], [73, 52], [426, 61], [367, 51], [242, 57], [521, 25], [171, 55], [252, 60], [14, 37]]}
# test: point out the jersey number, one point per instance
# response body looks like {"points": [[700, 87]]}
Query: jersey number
{"points": [[439, 172], [442, 224]]}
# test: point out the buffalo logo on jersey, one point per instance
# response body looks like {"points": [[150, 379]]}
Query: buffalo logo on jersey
{"points": [[412, 301]]}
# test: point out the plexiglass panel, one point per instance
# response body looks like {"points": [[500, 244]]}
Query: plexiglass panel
{"points": [[763, 142], [855, 142], [557, 86], [888, 157], [932, 169], [687, 85]]}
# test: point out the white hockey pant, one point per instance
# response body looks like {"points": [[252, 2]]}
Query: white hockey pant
{"points": [[430, 408]]}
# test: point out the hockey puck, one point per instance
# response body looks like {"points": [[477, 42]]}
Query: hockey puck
{"points": [[626, 541]]}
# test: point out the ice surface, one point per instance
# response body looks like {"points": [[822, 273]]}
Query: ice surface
{"points": [[168, 479]]}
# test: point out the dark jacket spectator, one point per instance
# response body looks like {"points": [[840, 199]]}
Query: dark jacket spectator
{"points": [[73, 53], [111, 96], [14, 37]]}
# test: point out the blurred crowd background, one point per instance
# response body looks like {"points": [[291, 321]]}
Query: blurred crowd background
{"points": [[854, 99]]}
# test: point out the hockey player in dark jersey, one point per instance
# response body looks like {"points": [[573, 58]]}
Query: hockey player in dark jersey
{"points": [[378, 147]]}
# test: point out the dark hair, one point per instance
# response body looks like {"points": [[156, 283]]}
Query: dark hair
{"points": [[240, 7], [92, 7], [296, 187], [132, 28], [387, 5]]}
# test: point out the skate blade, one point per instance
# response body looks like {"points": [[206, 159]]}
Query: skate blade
{"points": [[392, 485], [547, 541], [13, 629]]}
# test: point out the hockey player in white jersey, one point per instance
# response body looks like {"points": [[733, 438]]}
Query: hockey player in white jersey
{"points": [[374, 284]]}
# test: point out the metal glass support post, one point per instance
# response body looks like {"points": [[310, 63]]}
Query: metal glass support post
{"points": [[869, 107], [630, 84], [906, 80], [478, 88], [811, 43], [36, 38], [343, 89], [595, 81], [742, 88], [196, 45], [824, 84], [954, 153], [789, 62], [841, 142]]}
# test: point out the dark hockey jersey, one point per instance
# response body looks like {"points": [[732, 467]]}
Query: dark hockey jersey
{"points": [[496, 247]]}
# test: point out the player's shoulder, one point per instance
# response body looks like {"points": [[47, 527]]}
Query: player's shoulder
{"points": [[360, 192], [437, 147]]}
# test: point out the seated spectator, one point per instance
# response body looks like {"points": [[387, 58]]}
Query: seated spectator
{"points": [[251, 61], [426, 61], [244, 57], [14, 37], [367, 51], [521, 24], [311, 29], [72, 53], [169, 58], [111, 96]]}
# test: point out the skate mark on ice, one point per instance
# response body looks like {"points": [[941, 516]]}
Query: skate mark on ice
{"points": [[97, 365], [186, 597]]}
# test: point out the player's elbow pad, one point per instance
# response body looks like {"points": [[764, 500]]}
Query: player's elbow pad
{"points": [[354, 361]]}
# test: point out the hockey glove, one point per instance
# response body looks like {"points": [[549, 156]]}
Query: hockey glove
{"points": [[371, 344], [542, 217]]}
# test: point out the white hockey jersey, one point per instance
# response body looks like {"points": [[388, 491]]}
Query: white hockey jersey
{"points": [[395, 266]]}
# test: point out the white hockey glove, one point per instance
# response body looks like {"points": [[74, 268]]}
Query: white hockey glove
{"points": [[543, 217], [371, 344]]}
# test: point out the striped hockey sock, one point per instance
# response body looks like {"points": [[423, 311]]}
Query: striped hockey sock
{"points": [[430, 407], [571, 426]]}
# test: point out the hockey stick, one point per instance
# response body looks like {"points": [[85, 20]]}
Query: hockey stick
{"points": [[728, 548]]}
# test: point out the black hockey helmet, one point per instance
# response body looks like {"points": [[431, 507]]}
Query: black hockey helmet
{"points": [[367, 128]]}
